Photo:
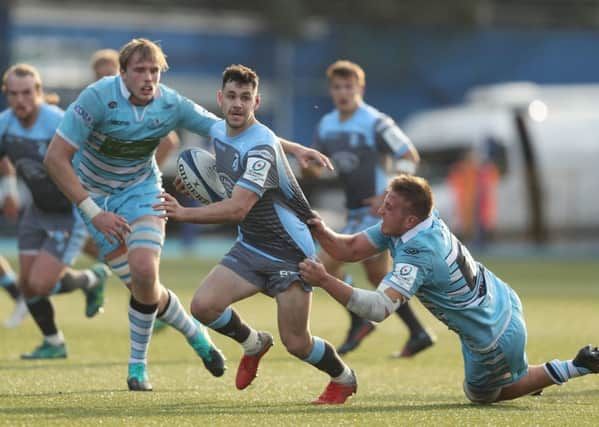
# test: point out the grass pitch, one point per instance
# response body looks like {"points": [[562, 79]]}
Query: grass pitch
{"points": [[561, 301]]}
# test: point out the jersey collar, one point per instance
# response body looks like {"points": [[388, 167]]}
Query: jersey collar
{"points": [[427, 223]]}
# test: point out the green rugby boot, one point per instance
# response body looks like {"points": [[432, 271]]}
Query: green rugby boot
{"points": [[94, 297], [47, 351], [212, 357], [137, 379]]}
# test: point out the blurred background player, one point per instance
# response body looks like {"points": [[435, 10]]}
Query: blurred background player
{"points": [[360, 140], [114, 167], [431, 263], [8, 279], [271, 210], [50, 232]]}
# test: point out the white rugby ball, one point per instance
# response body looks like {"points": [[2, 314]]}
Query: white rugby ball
{"points": [[197, 170]]}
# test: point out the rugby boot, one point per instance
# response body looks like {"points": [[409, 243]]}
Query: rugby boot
{"points": [[248, 366], [94, 297], [18, 315], [47, 351], [212, 357], [415, 345], [337, 394], [137, 378], [159, 325], [357, 332], [587, 358]]}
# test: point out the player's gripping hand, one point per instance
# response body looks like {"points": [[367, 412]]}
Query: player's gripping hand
{"points": [[180, 186], [171, 207], [112, 226], [312, 271], [11, 207], [317, 225]]}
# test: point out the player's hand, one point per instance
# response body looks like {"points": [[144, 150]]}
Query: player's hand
{"points": [[374, 202], [180, 186], [11, 207], [171, 207], [316, 224], [112, 226], [312, 271], [305, 156]]}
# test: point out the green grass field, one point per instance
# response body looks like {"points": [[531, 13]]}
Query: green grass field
{"points": [[560, 302]]}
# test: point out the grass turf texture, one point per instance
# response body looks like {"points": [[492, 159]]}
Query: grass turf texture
{"points": [[560, 304]]}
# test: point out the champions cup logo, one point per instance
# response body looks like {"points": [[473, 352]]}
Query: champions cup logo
{"points": [[259, 165]]}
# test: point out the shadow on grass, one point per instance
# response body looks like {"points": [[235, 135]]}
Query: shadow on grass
{"points": [[214, 408]]}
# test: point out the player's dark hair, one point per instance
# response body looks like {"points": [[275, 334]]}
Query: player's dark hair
{"points": [[346, 69], [240, 74], [416, 191]]}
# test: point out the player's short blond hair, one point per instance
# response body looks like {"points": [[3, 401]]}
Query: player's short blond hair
{"points": [[416, 191], [147, 49], [345, 69], [22, 70], [105, 56]]}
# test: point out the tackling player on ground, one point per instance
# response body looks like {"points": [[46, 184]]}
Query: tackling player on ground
{"points": [[431, 263]]}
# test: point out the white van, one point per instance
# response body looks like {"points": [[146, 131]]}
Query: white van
{"points": [[545, 142]]}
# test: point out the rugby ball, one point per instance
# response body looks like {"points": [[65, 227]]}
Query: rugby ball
{"points": [[197, 170]]}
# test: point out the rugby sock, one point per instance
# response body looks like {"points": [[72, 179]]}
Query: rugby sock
{"points": [[174, 315], [252, 345], [55, 339], [230, 324], [141, 322], [8, 282], [406, 314], [561, 371], [324, 357], [43, 314], [74, 279]]}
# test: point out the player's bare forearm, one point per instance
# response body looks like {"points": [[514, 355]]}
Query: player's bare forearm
{"points": [[336, 245], [58, 164], [313, 272], [306, 156]]}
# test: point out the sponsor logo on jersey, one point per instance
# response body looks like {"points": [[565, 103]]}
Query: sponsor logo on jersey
{"points": [[404, 275], [261, 153], [83, 115], [112, 105], [119, 122], [257, 170], [155, 124], [411, 251], [227, 182]]}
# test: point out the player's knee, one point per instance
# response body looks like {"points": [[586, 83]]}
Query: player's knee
{"points": [[297, 345], [39, 286], [204, 309], [481, 397], [144, 273]]}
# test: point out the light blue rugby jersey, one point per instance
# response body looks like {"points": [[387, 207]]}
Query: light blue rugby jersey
{"points": [[357, 147], [117, 140], [431, 263], [276, 224]]}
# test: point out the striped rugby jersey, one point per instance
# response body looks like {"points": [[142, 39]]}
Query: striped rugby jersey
{"points": [[116, 140]]}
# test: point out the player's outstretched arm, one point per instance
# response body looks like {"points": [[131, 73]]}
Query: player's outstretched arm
{"points": [[307, 157], [232, 210], [342, 247], [58, 164], [373, 305]]}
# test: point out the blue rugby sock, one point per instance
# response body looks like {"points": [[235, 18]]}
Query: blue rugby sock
{"points": [[561, 371]]}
